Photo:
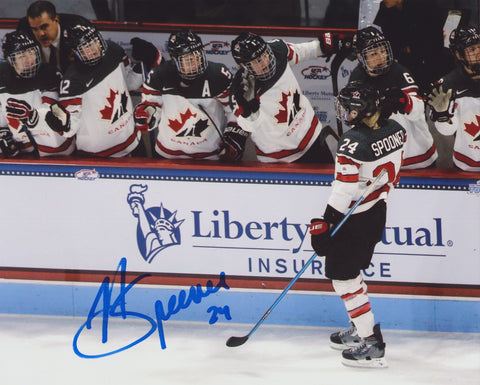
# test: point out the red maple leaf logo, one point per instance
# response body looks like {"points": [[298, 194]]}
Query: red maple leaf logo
{"points": [[107, 111], [14, 123], [177, 125], [282, 116], [473, 128]]}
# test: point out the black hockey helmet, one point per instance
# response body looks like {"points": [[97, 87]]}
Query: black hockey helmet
{"points": [[22, 53], [253, 53], [356, 101], [373, 50], [186, 49], [86, 42], [460, 40]]}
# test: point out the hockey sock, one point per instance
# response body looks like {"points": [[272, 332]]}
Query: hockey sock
{"points": [[354, 295]]}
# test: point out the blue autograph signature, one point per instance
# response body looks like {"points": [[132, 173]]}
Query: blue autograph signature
{"points": [[117, 308]]}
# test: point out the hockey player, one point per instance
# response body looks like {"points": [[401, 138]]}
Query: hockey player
{"points": [[455, 102], [371, 145], [186, 99], [270, 104], [27, 90], [378, 68], [96, 106]]}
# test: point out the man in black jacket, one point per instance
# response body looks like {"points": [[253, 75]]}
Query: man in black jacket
{"points": [[46, 26], [415, 31]]}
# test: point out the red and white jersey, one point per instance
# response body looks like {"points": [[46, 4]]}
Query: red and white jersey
{"points": [[465, 124], [193, 116], [287, 125], [362, 154], [100, 105], [419, 150], [39, 92]]}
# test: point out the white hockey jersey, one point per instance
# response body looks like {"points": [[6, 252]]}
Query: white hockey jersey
{"points": [[100, 105], [419, 150], [39, 92], [465, 124], [191, 117], [362, 154], [287, 125]]}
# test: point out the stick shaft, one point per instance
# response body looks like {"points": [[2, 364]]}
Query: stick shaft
{"points": [[367, 192]]}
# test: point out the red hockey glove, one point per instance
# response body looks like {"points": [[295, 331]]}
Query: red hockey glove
{"points": [[332, 44], [145, 117], [22, 111], [58, 118], [320, 236], [233, 144]]}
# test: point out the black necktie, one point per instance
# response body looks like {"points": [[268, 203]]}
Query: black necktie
{"points": [[53, 56]]}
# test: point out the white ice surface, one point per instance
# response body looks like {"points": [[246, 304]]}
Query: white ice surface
{"points": [[38, 350]]}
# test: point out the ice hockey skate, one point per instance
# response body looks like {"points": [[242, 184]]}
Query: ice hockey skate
{"points": [[369, 353], [346, 338]]}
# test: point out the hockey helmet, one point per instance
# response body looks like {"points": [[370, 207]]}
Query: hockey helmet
{"points": [[186, 49], [253, 53], [374, 51], [22, 53], [86, 42], [465, 45], [356, 101]]}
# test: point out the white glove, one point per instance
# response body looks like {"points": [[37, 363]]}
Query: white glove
{"points": [[248, 86], [58, 118], [442, 104], [245, 95]]}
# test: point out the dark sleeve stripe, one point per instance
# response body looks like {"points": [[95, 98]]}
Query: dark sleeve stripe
{"points": [[345, 160]]}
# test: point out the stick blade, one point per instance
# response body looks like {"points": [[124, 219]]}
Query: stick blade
{"points": [[236, 341]]}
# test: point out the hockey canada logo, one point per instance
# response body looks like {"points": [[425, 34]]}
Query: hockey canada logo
{"points": [[157, 229], [188, 125], [115, 107], [288, 111], [473, 128]]}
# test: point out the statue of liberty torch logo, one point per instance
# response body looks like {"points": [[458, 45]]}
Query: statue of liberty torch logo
{"points": [[157, 227]]}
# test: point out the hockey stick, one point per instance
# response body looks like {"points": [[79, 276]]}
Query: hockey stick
{"points": [[237, 341], [213, 122], [32, 140], [334, 67]]}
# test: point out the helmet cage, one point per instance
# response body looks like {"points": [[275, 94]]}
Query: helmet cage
{"points": [[26, 63], [22, 53], [253, 53], [91, 49], [264, 66], [377, 57], [465, 44], [186, 49], [471, 55], [192, 64]]}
